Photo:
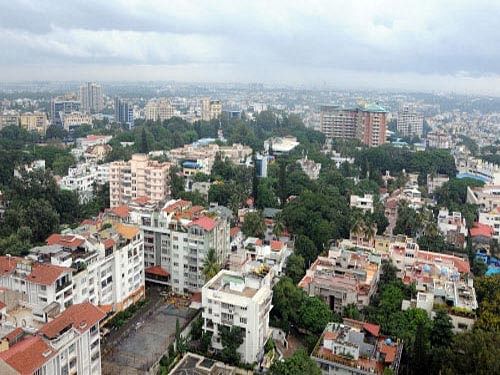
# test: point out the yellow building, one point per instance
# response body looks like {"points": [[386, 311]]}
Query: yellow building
{"points": [[36, 121]]}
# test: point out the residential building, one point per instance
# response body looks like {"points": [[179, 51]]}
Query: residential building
{"points": [[81, 179], [280, 145], [358, 348], [68, 344], [481, 236], [10, 118], [244, 300], [36, 121], [177, 238], [73, 120], [486, 197], [35, 165], [364, 203], [261, 162], [492, 219], [159, 109], [310, 167], [138, 177], [93, 140], [342, 278], [453, 227], [91, 98], [59, 106], [124, 112], [366, 123], [435, 181], [478, 169], [210, 109], [193, 363], [439, 139], [273, 255], [409, 123]]}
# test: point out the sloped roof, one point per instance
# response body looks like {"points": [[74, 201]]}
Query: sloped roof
{"points": [[204, 222], [69, 241], [28, 355], [157, 270], [46, 274]]}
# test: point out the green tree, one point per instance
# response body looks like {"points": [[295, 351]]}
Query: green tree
{"points": [[295, 267], [254, 225], [351, 311], [211, 264], [306, 248], [314, 314], [441, 332], [298, 364], [180, 342], [197, 328], [231, 340], [176, 182]]}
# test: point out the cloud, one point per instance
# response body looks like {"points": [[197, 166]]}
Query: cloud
{"points": [[446, 38]]}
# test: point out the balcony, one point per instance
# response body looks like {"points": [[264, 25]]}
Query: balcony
{"points": [[62, 286]]}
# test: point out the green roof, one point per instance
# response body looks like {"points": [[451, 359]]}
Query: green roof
{"points": [[373, 107]]}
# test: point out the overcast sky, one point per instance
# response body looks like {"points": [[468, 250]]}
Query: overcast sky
{"points": [[416, 45]]}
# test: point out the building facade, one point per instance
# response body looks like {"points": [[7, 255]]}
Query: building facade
{"points": [[159, 109], [36, 121], [409, 123], [59, 106], [91, 98], [210, 109], [124, 112]]}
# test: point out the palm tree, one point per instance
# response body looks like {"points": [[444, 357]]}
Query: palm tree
{"points": [[278, 228], [211, 265]]}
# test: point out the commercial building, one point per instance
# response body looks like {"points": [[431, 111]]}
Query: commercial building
{"points": [[68, 344], [409, 123], [159, 109], [177, 238], [236, 299], [358, 348], [366, 123], [124, 112], [91, 98], [60, 106], [73, 120], [138, 177], [343, 277], [36, 121], [210, 109]]}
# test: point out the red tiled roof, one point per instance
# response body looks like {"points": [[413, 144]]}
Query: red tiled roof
{"points": [[81, 317], [46, 274], [93, 137], [28, 355], [373, 329], [7, 264], [68, 241], [389, 351], [176, 206], [276, 245], [234, 231], [329, 335], [109, 243], [157, 270], [141, 200], [106, 308], [204, 222], [120, 211], [13, 335], [481, 230]]}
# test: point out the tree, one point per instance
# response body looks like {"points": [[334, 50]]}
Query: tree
{"points": [[298, 364], [295, 267], [41, 218], [197, 328], [231, 340], [180, 341], [254, 225], [176, 182], [314, 314], [479, 268], [287, 298], [211, 264], [351, 311], [306, 248], [441, 332], [144, 146]]}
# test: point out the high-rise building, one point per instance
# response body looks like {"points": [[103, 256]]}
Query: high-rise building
{"points": [[159, 109], [91, 97], [409, 123], [210, 109], [366, 123], [63, 106], [138, 177], [124, 112]]}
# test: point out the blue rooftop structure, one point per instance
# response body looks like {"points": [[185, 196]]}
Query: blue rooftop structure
{"points": [[473, 176], [191, 165]]}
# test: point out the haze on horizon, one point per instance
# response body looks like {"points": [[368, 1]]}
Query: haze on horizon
{"points": [[407, 45]]}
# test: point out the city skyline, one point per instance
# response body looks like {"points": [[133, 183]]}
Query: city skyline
{"points": [[407, 46]]}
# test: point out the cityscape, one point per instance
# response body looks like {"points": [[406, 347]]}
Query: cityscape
{"points": [[273, 220]]}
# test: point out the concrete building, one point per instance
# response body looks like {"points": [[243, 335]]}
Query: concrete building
{"points": [[210, 109], [59, 106], [10, 118], [91, 98], [235, 299], [438, 139], [486, 197], [73, 120], [69, 344], [124, 112], [344, 277], [273, 255], [492, 219], [366, 123], [409, 123], [36, 121], [92, 140], [177, 238], [358, 348], [453, 227], [81, 179], [159, 109], [280, 145], [364, 203], [435, 181], [138, 177], [309, 167]]}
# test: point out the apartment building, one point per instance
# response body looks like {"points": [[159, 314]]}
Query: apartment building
{"points": [[435, 181], [358, 348], [366, 123], [486, 197], [159, 109], [439, 139], [9, 118], [91, 98], [62, 106], [492, 219], [236, 299], [364, 203], [273, 255], [124, 112], [343, 277], [139, 177], [409, 123], [453, 227], [210, 109], [81, 179], [176, 239], [68, 344], [36, 121], [73, 120], [93, 140]]}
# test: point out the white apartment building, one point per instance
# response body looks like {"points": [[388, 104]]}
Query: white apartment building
{"points": [[91, 98], [73, 120], [176, 240], [273, 255], [487, 197], [409, 122], [69, 344], [453, 227], [138, 177], [81, 179], [364, 203], [93, 140], [242, 300], [492, 219], [438, 139], [159, 109]]}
